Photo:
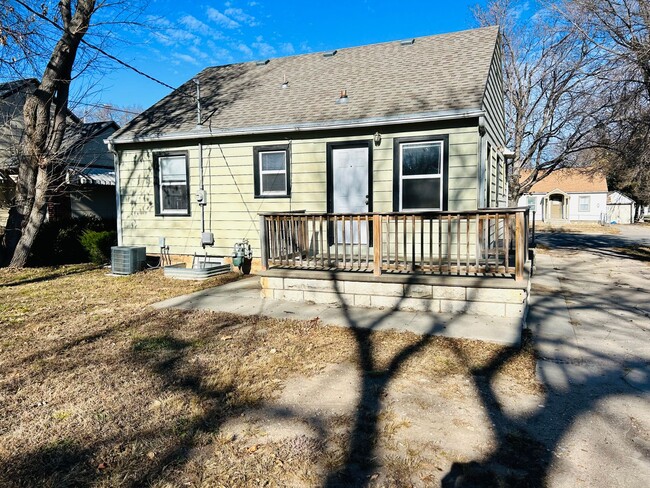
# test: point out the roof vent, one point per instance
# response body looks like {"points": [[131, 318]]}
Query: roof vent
{"points": [[262, 63], [343, 99], [329, 54], [407, 42]]}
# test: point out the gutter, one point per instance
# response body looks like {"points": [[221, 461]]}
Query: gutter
{"points": [[306, 127]]}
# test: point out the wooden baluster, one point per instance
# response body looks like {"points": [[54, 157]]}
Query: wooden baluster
{"points": [[449, 243], [520, 246], [345, 259], [413, 242], [359, 236], [396, 242], [430, 244], [376, 242], [496, 242], [479, 230], [506, 237], [458, 245], [336, 242], [439, 243], [421, 219], [368, 242], [320, 241], [467, 220], [300, 235], [388, 240]]}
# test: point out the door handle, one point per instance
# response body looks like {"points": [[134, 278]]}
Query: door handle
{"points": [[367, 200]]}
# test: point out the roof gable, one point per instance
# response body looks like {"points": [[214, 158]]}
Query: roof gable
{"points": [[432, 75]]}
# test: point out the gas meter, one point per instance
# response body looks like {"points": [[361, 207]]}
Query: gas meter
{"points": [[242, 255]]}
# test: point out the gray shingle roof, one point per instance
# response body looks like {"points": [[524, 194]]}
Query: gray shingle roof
{"points": [[435, 74]]}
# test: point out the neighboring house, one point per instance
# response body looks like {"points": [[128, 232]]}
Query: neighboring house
{"points": [[414, 125], [620, 208], [568, 195], [88, 186]]}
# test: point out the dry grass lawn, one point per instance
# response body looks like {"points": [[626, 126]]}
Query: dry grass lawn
{"points": [[98, 389], [577, 228]]}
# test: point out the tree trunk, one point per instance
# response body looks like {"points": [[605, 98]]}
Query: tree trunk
{"points": [[45, 114], [34, 222]]}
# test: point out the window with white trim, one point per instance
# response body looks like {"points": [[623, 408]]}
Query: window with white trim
{"points": [[584, 203], [532, 203], [421, 175], [171, 184], [271, 167]]}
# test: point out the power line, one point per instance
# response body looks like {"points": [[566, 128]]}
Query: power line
{"points": [[99, 50], [106, 106]]}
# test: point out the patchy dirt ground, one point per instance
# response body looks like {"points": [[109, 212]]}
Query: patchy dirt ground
{"points": [[98, 389]]}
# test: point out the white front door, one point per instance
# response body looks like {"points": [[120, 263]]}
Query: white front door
{"points": [[350, 190]]}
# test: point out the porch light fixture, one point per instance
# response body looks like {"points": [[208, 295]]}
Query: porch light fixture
{"points": [[343, 99], [377, 138]]}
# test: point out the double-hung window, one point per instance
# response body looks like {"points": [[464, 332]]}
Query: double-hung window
{"points": [[171, 181], [271, 171], [584, 203], [420, 175]]}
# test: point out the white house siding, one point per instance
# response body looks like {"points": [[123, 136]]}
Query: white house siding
{"points": [[597, 206], [232, 210]]}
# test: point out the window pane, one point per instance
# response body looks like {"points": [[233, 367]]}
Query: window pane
{"points": [[421, 193], [421, 159], [174, 197], [273, 161], [274, 183], [173, 168]]}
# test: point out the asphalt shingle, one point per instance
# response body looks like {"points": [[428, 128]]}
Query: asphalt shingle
{"points": [[446, 72]]}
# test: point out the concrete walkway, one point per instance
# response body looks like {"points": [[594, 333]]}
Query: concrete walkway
{"points": [[243, 297], [590, 317]]}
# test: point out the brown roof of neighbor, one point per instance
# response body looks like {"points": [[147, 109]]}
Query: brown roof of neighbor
{"points": [[570, 180], [433, 75]]}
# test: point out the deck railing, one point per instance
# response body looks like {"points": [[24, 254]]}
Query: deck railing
{"points": [[490, 242]]}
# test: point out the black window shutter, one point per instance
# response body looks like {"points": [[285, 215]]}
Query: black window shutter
{"points": [[156, 185], [256, 171]]}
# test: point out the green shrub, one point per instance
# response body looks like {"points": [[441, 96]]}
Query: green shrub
{"points": [[59, 242], [97, 244]]}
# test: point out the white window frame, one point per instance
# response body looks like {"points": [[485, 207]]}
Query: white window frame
{"points": [[161, 183], [588, 199], [271, 172], [534, 205], [438, 176]]}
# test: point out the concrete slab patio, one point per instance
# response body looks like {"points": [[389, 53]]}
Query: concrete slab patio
{"points": [[243, 297]]}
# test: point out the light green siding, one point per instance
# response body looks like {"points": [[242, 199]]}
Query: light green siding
{"points": [[232, 210], [493, 105]]}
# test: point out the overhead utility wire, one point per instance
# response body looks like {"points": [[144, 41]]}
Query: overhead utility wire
{"points": [[100, 50]]}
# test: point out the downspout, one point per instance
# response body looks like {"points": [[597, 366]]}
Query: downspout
{"points": [[201, 186], [118, 197]]}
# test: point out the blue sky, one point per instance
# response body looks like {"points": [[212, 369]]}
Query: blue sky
{"points": [[184, 37]]}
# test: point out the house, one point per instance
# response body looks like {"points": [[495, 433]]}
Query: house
{"points": [[621, 209], [88, 186], [568, 195], [368, 158]]}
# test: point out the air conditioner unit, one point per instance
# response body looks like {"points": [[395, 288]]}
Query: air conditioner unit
{"points": [[127, 260]]}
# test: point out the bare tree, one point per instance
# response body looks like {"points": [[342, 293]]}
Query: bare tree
{"points": [[45, 114], [550, 112], [619, 31], [120, 115], [64, 41]]}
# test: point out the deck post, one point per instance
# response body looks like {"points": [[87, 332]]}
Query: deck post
{"points": [[264, 252], [520, 245], [376, 242]]}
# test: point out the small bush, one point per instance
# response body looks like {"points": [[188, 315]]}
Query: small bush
{"points": [[59, 242], [97, 244]]}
